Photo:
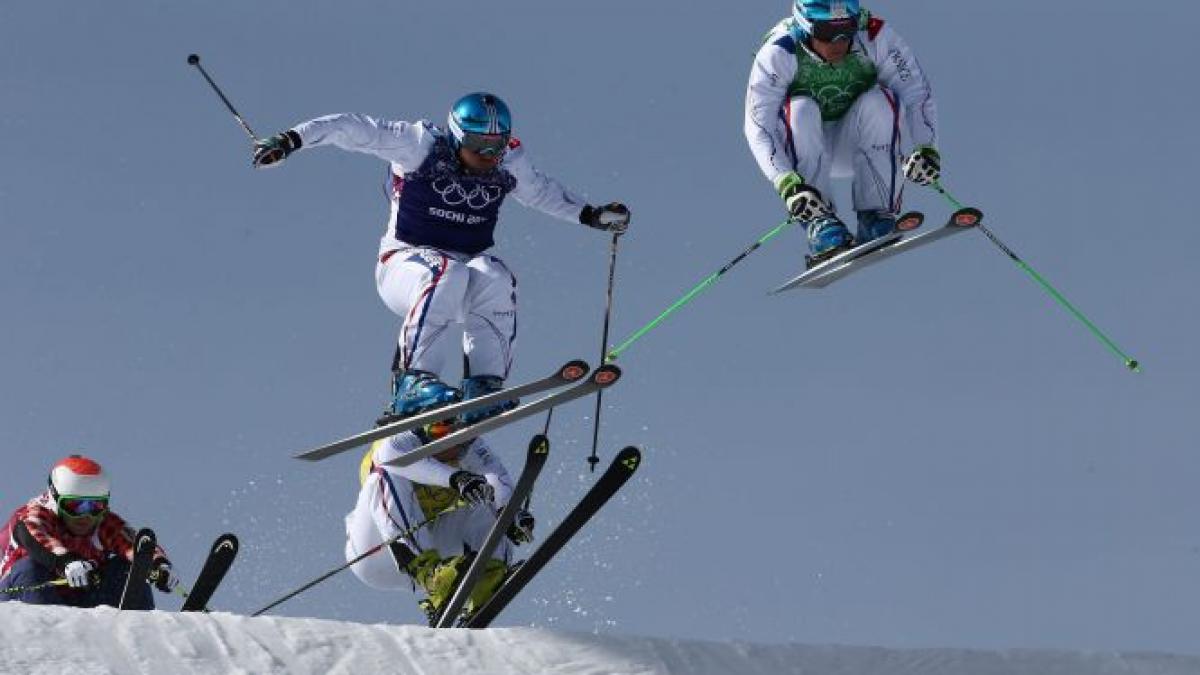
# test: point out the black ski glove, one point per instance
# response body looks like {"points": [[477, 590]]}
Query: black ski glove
{"points": [[612, 217], [163, 576], [472, 487], [521, 530], [272, 151]]}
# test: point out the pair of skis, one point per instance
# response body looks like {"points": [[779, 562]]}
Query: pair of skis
{"points": [[219, 559], [618, 473], [864, 255], [570, 373]]}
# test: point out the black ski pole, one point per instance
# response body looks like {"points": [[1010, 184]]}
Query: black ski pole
{"points": [[604, 357], [369, 552], [612, 267], [194, 60]]}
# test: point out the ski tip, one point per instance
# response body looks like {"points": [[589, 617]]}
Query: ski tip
{"points": [[910, 221], [227, 540], [539, 444], [607, 374], [966, 217], [574, 370], [630, 457]]}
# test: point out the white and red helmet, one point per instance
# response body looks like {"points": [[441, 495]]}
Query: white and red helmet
{"points": [[78, 476]]}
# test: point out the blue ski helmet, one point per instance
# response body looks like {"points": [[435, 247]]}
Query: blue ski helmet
{"points": [[481, 123], [834, 14]]}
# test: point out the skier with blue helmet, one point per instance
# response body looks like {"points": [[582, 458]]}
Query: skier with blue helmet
{"points": [[445, 187], [835, 92]]}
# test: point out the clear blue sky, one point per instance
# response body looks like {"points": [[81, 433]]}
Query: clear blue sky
{"points": [[931, 453]]}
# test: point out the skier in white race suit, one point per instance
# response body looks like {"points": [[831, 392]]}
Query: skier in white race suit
{"points": [[433, 269], [444, 506], [831, 90]]}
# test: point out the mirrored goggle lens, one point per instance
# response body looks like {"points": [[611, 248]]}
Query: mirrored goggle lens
{"points": [[83, 506], [488, 145], [436, 430], [835, 30]]}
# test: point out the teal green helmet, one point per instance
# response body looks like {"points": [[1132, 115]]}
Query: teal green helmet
{"points": [[827, 20], [480, 122]]}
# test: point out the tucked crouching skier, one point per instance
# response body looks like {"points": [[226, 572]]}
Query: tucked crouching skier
{"points": [[446, 503], [433, 269], [66, 547], [828, 92]]}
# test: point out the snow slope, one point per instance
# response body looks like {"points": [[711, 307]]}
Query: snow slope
{"points": [[52, 640]]}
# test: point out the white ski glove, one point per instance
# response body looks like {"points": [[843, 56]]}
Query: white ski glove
{"points": [[804, 202], [923, 166], [78, 573], [163, 577]]}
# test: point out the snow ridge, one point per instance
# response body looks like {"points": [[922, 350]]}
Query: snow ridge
{"points": [[53, 640]]}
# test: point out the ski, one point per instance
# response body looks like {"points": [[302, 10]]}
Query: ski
{"points": [[144, 546], [219, 559], [535, 459], [603, 377], [960, 221], [623, 466], [567, 373], [905, 223]]}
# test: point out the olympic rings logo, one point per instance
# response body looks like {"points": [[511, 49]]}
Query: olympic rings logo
{"points": [[453, 193]]}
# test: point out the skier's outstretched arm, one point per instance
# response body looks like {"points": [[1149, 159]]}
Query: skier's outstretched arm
{"points": [[539, 191], [405, 143]]}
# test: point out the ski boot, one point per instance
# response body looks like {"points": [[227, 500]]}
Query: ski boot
{"points": [[480, 385], [439, 577], [827, 236], [415, 391], [873, 225]]}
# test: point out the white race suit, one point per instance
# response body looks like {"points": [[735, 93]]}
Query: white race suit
{"points": [[826, 120], [395, 499], [433, 270]]}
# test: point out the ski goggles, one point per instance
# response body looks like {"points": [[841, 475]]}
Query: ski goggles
{"points": [[835, 30], [83, 507], [488, 145], [436, 430]]}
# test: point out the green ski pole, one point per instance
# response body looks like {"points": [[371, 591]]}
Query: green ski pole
{"points": [[1130, 362], [687, 297]]}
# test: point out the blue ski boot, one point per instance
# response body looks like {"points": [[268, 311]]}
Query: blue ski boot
{"points": [[479, 385], [415, 391], [827, 236], [873, 225]]}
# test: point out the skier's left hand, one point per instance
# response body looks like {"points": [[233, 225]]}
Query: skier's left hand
{"points": [[923, 166], [163, 576], [612, 217], [521, 530]]}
